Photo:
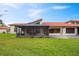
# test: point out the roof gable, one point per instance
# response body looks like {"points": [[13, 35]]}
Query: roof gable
{"points": [[73, 21], [37, 22]]}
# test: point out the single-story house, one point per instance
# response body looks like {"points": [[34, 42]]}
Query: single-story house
{"points": [[46, 29], [3, 27]]}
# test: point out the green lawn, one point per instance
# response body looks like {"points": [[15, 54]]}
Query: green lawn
{"points": [[12, 46]]}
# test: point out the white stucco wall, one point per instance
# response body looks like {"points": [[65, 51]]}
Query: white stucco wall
{"points": [[63, 32], [12, 30], [52, 34]]}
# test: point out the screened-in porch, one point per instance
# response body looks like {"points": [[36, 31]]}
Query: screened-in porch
{"points": [[32, 31]]}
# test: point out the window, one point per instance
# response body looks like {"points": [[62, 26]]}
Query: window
{"points": [[70, 30], [77, 22], [54, 30], [38, 23]]}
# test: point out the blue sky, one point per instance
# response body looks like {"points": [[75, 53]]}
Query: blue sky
{"points": [[27, 12]]}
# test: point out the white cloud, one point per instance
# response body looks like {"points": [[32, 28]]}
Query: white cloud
{"points": [[33, 5], [9, 4], [34, 12], [60, 7]]}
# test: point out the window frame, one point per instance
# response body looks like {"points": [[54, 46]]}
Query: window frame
{"points": [[69, 29], [54, 29]]}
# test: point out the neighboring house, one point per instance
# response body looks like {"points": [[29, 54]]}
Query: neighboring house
{"points": [[3, 27], [47, 29]]}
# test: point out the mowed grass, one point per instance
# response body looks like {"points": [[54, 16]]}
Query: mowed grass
{"points": [[12, 46]]}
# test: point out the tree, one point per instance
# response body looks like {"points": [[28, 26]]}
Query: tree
{"points": [[1, 23]]}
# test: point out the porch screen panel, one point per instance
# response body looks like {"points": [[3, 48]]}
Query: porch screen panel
{"points": [[70, 30]]}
